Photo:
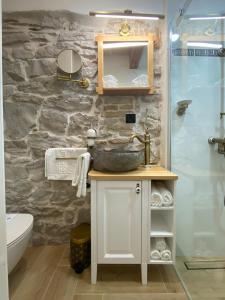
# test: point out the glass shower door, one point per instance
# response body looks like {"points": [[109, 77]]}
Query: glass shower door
{"points": [[197, 79]]}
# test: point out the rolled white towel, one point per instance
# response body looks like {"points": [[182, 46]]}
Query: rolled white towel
{"points": [[160, 244], [156, 197], [167, 198], [155, 254], [166, 254]]}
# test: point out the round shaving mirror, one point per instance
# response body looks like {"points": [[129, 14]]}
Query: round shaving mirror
{"points": [[69, 61]]}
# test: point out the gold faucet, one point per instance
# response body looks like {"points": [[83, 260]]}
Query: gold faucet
{"points": [[147, 142]]}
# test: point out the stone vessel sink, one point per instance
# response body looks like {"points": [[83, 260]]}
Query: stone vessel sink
{"points": [[116, 160]]}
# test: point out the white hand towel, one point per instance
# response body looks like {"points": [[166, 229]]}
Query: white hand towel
{"points": [[160, 244], [154, 254], [166, 254], [80, 176], [156, 197], [61, 162], [166, 194]]}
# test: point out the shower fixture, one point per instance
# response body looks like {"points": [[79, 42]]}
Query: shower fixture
{"points": [[182, 106], [222, 114], [220, 142]]}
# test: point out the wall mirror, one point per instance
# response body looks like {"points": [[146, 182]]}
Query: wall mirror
{"points": [[69, 63], [125, 64]]}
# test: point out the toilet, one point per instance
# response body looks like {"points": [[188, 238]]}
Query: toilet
{"points": [[19, 229]]}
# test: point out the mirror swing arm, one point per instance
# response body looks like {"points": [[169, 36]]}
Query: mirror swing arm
{"points": [[152, 41], [83, 82]]}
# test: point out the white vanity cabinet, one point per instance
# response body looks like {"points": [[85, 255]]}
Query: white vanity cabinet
{"points": [[118, 222], [123, 221]]}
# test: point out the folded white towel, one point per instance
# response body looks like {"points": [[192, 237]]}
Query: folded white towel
{"points": [[156, 197], [166, 194], [110, 81], [80, 176], [154, 254], [160, 244], [60, 163], [166, 254], [141, 80]]}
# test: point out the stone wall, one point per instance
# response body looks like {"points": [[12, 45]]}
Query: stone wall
{"points": [[41, 112]]}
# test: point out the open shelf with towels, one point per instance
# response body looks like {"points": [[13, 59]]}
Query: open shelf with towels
{"points": [[162, 195], [162, 222], [163, 255]]}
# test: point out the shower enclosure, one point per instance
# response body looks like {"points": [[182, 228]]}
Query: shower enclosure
{"points": [[197, 75]]}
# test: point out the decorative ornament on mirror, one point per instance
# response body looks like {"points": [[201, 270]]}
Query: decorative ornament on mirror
{"points": [[124, 29]]}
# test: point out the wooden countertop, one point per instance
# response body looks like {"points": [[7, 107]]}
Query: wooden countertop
{"points": [[154, 172]]}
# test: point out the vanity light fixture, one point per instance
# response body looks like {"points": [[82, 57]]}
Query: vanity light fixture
{"points": [[204, 45], [124, 45], [126, 14]]}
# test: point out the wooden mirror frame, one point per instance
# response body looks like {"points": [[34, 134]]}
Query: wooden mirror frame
{"points": [[151, 39]]}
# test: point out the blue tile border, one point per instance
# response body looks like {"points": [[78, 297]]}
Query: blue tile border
{"points": [[198, 52]]}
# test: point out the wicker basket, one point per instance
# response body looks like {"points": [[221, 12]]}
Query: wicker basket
{"points": [[80, 247]]}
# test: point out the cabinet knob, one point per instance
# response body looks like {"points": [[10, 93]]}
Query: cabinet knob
{"points": [[138, 188]]}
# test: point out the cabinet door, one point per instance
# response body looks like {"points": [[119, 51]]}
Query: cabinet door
{"points": [[119, 222]]}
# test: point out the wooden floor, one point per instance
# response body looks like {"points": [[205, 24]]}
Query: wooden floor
{"points": [[208, 284], [44, 273]]}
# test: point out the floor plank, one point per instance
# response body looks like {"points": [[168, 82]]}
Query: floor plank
{"points": [[87, 297], [158, 296], [37, 268], [171, 280], [62, 285]]}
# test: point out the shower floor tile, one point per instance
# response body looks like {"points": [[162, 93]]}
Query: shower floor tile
{"points": [[207, 284]]}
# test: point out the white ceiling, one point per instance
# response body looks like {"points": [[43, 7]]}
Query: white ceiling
{"points": [[84, 6], [206, 7]]}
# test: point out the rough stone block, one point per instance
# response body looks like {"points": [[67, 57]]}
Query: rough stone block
{"points": [[47, 51], [40, 67], [29, 98], [39, 142], [19, 119], [69, 103], [114, 114], [8, 90], [13, 72], [22, 53], [79, 123], [53, 121], [15, 38]]}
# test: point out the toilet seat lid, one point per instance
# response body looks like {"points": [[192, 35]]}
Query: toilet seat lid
{"points": [[17, 225]]}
